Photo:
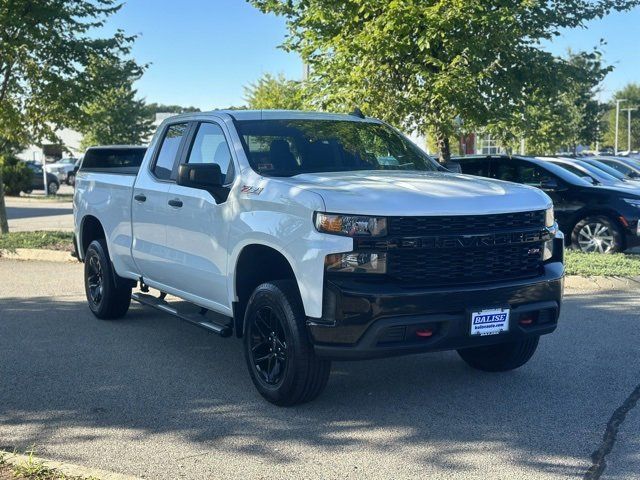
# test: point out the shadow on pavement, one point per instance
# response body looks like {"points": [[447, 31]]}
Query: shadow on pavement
{"points": [[148, 373], [15, 213]]}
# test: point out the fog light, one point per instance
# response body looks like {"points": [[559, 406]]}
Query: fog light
{"points": [[355, 262]]}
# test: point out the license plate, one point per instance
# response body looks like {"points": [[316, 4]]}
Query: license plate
{"points": [[490, 322]]}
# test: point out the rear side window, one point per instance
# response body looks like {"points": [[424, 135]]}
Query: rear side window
{"points": [[169, 150], [120, 160], [475, 166]]}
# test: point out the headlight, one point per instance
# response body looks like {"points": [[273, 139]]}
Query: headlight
{"points": [[351, 225], [549, 217], [633, 201], [355, 262]]}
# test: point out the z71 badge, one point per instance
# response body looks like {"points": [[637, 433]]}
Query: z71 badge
{"points": [[248, 189]]}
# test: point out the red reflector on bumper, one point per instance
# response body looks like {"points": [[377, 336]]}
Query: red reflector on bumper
{"points": [[424, 332]]}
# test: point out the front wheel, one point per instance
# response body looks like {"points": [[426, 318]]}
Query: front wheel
{"points": [[71, 179], [107, 300], [598, 234], [280, 358], [501, 357]]}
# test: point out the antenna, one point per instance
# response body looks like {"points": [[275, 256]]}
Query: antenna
{"points": [[357, 113]]}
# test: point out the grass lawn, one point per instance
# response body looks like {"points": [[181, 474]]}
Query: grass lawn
{"points": [[31, 469], [50, 240], [596, 264]]}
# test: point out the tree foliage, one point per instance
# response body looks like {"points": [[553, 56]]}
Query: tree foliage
{"points": [[630, 93], [114, 115], [421, 63], [161, 108], [45, 46], [569, 118], [276, 92]]}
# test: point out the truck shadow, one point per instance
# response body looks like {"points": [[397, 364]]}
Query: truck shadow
{"points": [[67, 378]]}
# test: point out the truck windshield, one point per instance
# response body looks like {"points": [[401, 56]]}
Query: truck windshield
{"points": [[291, 147]]}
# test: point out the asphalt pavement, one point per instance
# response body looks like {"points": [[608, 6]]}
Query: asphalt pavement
{"points": [[33, 213], [153, 397]]}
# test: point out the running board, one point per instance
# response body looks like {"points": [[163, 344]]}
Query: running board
{"points": [[193, 314]]}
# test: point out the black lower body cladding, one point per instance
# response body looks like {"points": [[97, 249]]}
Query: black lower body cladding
{"points": [[369, 320]]}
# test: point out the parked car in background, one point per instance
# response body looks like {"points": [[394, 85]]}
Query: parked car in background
{"points": [[591, 173], [319, 237], [71, 178], [62, 168], [629, 167], [37, 182], [630, 176], [594, 218]]}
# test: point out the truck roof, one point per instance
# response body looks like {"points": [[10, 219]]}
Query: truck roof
{"points": [[278, 115]]}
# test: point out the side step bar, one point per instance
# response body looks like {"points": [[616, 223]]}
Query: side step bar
{"points": [[193, 314]]}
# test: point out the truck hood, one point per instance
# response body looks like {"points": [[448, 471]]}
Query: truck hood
{"points": [[419, 193]]}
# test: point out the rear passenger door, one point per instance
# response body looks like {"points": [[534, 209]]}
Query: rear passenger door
{"points": [[150, 209], [197, 232]]}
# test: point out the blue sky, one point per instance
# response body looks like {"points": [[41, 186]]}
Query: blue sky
{"points": [[202, 52]]}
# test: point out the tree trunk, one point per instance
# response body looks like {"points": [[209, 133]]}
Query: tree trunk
{"points": [[4, 224], [444, 149]]}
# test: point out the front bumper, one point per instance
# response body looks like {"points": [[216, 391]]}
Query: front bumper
{"points": [[378, 320]]}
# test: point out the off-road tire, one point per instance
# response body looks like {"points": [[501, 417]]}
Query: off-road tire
{"points": [[114, 299], [304, 375]]}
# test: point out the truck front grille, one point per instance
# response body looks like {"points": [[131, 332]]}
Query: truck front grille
{"points": [[463, 261], [465, 224], [462, 266]]}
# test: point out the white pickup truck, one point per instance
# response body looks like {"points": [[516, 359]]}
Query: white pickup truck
{"points": [[317, 237]]}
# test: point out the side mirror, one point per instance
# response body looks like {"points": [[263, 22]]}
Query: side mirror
{"points": [[200, 175], [204, 176], [549, 184]]}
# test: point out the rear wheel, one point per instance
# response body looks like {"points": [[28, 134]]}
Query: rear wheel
{"points": [[501, 357], [598, 234], [53, 188], [280, 358], [107, 300]]}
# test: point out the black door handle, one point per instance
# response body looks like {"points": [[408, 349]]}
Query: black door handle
{"points": [[175, 203], [140, 198]]}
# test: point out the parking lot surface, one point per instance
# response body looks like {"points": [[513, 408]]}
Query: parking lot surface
{"points": [[152, 397], [28, 214]]}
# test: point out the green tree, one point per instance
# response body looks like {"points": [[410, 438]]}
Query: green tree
{"points": [[569, 118], [45, 46], [276, 92], [161, 108], [630, 93], [421, 63], [114, 115]]}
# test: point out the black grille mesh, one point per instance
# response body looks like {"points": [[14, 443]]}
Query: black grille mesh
{"points": [[462, 266], [459, 266], [465, 224]]}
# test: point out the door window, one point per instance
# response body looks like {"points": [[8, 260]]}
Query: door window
{"points": [[163, 167], [210, 146]]}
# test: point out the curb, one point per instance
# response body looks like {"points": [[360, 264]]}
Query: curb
{"points": [[67, 469], [575, 282], [38, 254]]}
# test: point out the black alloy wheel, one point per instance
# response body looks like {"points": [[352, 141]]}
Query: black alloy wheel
{"points": [[269, 346]]}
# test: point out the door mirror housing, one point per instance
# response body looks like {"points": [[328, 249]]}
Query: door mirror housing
{"points": [[204, 176]]}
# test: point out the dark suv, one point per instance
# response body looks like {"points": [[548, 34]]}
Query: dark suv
{"points": [[594, 218]]}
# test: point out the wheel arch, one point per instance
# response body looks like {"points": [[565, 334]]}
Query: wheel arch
{"points": [[256, 263], [90, 229]]}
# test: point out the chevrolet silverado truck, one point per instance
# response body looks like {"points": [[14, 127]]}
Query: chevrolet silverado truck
{"points": [[318, 237]]}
